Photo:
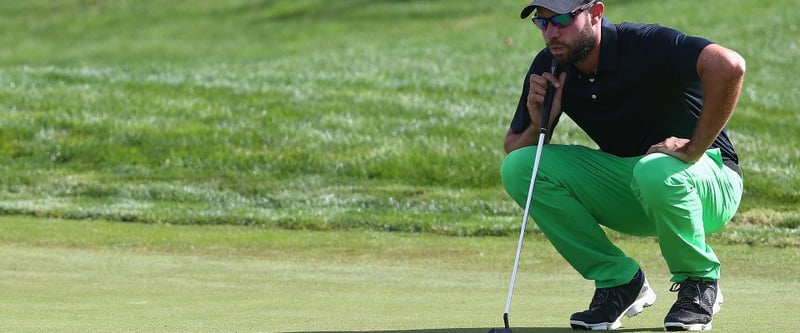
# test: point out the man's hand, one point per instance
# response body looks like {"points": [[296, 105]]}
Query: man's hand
{"points": [[679, 148], [536, 95], [535, 104]]}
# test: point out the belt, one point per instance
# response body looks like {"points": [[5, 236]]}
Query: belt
{"points": [[733, 166]]}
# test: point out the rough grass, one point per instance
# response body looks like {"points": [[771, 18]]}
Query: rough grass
{"points": [[379, 115]]}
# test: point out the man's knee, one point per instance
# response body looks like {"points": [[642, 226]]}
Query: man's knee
{"points": [[516, 172]]}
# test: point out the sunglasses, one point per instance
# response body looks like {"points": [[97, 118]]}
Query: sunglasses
{"points": [[561, 20]]}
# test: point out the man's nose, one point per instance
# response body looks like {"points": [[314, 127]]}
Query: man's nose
{"points": [[552, 31]]}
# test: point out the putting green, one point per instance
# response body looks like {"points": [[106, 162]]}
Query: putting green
{"points": [[299, 281]]}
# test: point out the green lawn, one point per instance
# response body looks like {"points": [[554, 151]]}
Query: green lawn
{"points": [[377, 115], [98, 276], [308, 165]]}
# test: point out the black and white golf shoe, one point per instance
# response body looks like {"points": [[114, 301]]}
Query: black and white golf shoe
{"points": [[697, 303], [610, 304]]}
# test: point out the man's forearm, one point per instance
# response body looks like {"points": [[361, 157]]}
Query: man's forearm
{"points": [[514, 141], [722, 73]]}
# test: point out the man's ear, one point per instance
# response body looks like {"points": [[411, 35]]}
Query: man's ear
{"points": [[597, 11]]}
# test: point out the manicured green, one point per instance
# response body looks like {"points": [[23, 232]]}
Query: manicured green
{"points": [[100, 276], [311, 114]]}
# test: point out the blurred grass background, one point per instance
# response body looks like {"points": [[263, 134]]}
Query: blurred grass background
{"points": [[375, 114]]}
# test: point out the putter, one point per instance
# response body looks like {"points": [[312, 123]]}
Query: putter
{"points": [[548, 104]]}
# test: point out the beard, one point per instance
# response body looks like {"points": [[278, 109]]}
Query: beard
{"points": [[578, 49]]}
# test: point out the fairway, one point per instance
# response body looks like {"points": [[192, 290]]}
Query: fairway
{"points": [[69, 276]]}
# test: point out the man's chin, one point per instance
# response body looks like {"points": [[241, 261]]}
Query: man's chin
{"points": [[561, 58]]}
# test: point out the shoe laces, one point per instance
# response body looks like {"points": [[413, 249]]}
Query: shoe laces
{"points": [[600, 297], [688, 292]]}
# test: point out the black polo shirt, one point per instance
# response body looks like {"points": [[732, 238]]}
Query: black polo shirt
{"points": [[646, 89]]}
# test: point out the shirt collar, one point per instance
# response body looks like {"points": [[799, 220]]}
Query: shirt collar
{"points": [[609, 50]]}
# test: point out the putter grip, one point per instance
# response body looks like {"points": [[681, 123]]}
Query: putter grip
{"points": [[548, 99]]}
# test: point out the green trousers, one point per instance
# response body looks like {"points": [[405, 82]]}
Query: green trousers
{"points": [[579, 191]]}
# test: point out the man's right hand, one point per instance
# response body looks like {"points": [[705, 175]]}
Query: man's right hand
{"points": [[535, 104], [536, 95]]}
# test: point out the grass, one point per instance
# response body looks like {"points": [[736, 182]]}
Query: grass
{"points": [[71, 276], [261, 147], [378, 115]]}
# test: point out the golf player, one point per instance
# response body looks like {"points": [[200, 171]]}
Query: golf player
{"points": [[656, 102]]}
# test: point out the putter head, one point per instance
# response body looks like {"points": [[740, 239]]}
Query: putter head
{"points": [[500, 330], [506, 328]]}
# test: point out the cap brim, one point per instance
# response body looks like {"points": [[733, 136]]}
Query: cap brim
{"points": [[526, 11]]}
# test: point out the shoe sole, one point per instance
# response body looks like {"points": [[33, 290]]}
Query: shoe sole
{"points": [[676, 326], [685, 327], [646, 298]]}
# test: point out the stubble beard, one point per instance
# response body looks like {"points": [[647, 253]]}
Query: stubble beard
{"points": [[580, 48]]}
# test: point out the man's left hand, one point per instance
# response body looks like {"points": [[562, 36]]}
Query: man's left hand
{"points": [[676, 147]]}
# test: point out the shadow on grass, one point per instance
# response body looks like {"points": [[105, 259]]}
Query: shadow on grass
{"points": [[484, 330]]}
